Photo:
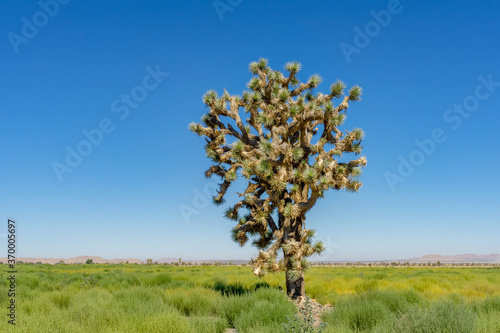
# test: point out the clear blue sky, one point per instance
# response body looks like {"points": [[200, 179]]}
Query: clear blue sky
{"points": [[422, 69]]}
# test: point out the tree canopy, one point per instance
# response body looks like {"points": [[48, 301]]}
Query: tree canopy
{"points": [[289, 149]]}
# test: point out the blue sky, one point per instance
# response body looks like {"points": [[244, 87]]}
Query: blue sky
{"points": [[73, 67]]}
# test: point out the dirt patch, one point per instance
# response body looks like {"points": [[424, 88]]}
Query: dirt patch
{"points": [[316, 308]]}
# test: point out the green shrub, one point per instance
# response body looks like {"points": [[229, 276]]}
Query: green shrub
{"points": [[263, 314], [135, 300], [304, 323], [396, 301], [440, 317], [60, 299], [268, 310], [487, 322], [377, 276], [358, 313], [270, 295], [195, 301], [170, 322], [365, 286], [208, 324], [232, 307], [88, 282], [63, 283], [159, 279], [29, 281], [413, 297], [490, 305], [229, 289]]}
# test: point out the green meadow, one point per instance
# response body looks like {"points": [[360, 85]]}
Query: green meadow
{"points": [[157, 298]]}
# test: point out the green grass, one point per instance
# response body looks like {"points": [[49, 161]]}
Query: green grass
{"points": [[141, 298]]}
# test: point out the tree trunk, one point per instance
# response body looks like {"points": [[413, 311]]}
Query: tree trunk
{"points": [[295, 287]]}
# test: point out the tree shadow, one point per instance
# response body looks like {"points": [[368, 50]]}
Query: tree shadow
{"points": [[232, 289]]}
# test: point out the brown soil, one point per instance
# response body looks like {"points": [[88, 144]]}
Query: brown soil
{"points": [[317, 308]]}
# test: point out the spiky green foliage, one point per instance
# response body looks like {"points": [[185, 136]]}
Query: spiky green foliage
{"points": [[266, 147], [262, 64], [309, 175], [293, 67], [338, 120], [210, 97], [286, 148], [355, 93], [358, 134], [297, 153], [337, 89], [314, 81]]}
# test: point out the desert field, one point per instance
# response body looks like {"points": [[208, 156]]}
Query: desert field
{"points": [[159, 298]]}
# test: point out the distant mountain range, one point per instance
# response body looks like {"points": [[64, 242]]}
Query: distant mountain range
{"points": [[75, 260], [462, 258], [173, 260], [100, 260], [486, 258]]}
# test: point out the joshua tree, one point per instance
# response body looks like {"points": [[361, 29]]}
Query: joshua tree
{"points": [[289, 151]]}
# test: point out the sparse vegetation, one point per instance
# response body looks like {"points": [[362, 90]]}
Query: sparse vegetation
{"points": [[159, 298], [89, 282], [304, 323]]}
